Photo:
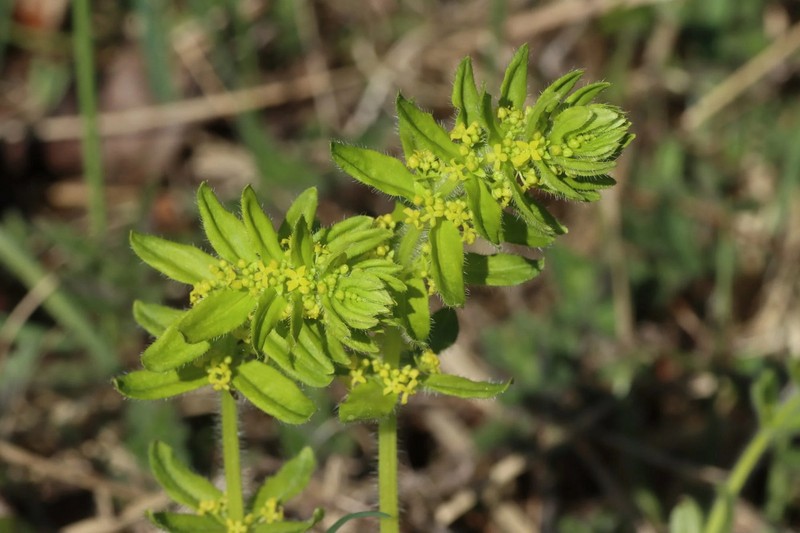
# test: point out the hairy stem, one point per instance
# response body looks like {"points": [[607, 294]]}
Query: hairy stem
{"points": [[387, 446], [230, 456]]}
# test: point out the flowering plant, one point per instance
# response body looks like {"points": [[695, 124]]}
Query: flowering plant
{"points": [[274, 311]]}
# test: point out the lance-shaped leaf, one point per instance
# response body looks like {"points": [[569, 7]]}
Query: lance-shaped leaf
{"points": [[218, 313], [263, 236], [226, 233], [171, 350], [419, 131], [550, 98], [514, 88], [534, 213], [272, 392], [289, 481], [414, 309], [385, 173], [178, 481], [444, 331], [487, 215], [302, 245], [408, 248], [555, 184], [462, 387], [587, 93], [516, 231], [187, 523], [310, 346], [570, 121], [268, 313], [180, 262], [147, 385], [367, 402], [304, 207], [307, 370], [465, 96], [154, 318], [500, 270], [447, 262]]}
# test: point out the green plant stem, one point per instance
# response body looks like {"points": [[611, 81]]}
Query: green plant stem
{"points": [[387, 446], [718, 518], [87, 100], [387, 473], [230, 456]]}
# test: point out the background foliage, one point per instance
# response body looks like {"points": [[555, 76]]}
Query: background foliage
{"points": [[632, 354]]}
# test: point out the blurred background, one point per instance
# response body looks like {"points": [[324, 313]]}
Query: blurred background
{"points": [[632, 354]]}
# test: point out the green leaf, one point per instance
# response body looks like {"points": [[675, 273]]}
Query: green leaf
{"points": [[268, 313], [587, 93], [447, 262], [218, 313], [387, 174], [414, 309], [180, 262], [516, 231], [465, 95], [409, 245], [445, 329], [186, 523], [154, 318], [304, 207], [289, 481], [304, 369], [570, 121], [535, 214], [419, 131], [550, 98], [514, 89], [273, 393], [302, 245], [178, 481], [367, 402], [462, 387], [354, 516], [225, 232], [686, 517], [147, 385], [171, 350], [487, 214], [500, 270], [259, 227]]}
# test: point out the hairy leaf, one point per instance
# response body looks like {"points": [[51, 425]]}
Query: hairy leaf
{"points": [[182, 485], [366, 402], [500, 270], [263, 236], [289, 481], [462, 387], [225, 232], [374, 169], [447, 262], [154, 318], [147, 385], [180, 262], [273, 393], [171, 350]]}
